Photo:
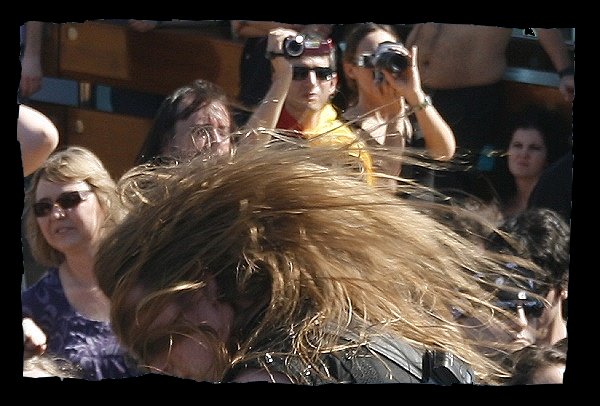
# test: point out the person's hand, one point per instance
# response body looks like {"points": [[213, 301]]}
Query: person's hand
{"points": [[34, 339], [31, 75], [567, 87], [387, 87], [142, 25], [276, 38], [282, 68], [407, 83]]}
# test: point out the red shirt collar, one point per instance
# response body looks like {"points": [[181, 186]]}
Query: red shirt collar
{"points": [[287, 121]]}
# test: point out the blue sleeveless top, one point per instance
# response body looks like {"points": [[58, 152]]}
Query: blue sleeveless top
{"points": [[90, 345]]}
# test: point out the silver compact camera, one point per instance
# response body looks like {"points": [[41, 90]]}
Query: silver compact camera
{"points": [[297, 45]]}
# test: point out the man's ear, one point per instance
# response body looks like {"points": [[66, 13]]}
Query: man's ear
{"points": [[564, 294], [334, 84]]}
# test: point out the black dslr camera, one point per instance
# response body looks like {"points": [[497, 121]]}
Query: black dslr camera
{"points": [[294, 46], [391, 56]]}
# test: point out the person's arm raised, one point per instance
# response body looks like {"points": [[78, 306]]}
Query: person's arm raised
{"points": [[38, 137], [31, 64], [552, 41], [439, 137], [250, 28], [268, 111]]}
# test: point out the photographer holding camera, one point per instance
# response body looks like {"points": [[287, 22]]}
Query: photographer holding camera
{"points": [[304, 80], [382, 85]]}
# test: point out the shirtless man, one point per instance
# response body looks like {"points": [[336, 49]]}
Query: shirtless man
{"points": [[459, 55], [462, 67]]}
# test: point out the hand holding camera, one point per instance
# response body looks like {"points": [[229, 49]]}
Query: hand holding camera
{"points": [[302, 44], [390, 56], [395, 72], [289, 44], [393, 57]]}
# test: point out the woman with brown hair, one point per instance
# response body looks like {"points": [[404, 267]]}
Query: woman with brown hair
{"points": [[382, 85], [282, 265]]}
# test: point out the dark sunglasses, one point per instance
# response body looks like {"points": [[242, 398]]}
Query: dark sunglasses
{"points": [[533, 308], [301, 73], [66, 200]]}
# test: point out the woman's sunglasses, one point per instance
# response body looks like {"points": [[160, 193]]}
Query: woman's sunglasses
{"points": [[66, 200], [301, 73]]}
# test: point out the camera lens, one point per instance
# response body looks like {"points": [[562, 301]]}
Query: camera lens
{"points": [[392, 61], [293, 46]]}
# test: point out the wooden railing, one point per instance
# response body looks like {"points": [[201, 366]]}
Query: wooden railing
{"points": [[158, 62]]}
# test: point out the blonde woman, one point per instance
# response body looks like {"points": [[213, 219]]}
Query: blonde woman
{"points": [[70, 203]]}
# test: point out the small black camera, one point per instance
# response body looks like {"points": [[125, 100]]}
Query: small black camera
{"points": [[297, 45], [390, 56]]}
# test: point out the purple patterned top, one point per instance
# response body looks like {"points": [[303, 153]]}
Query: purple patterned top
{"points": [[89, 344]]}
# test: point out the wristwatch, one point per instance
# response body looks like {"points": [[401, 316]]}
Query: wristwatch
{"points": [[426, 103]]}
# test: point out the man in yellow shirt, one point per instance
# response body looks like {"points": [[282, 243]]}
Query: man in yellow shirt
{"points": [[299, 99]]}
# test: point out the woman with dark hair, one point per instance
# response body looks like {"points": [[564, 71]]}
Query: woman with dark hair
{"points": [[382, 86], [194, 118], [537, 137]]}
